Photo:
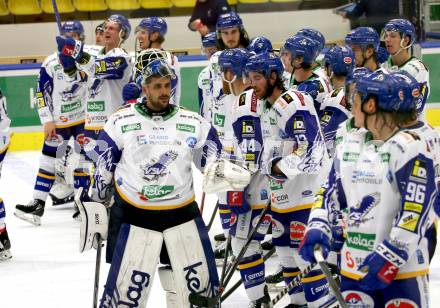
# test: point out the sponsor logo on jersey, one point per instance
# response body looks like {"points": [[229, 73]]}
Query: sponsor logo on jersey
{"points": [[358, 300], [401, 303], [242, 100], [277, 228], [350, 156], [272, 121], [254, 276], [287, 98], [130, 127], [264, 195], [419, 172], [411, 206], [40, 100], [297, 231], [250, 157], [274, 185], [186, 128], [365, 177], [191, 142], [254, 102], [409, 221], [63, 119], [326, 117], [139, 280], [281, 199], [300, 97], [298, 124], [265, 223], [248, 128], [156, 191], [235, 198], [362, 241], [219, 119], [385, 157], [95, 106], [192, 277]]}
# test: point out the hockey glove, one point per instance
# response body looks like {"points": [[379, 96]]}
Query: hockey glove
{"points": [[68, 64], [317, 235], [69, 47], [223, 175], [237, 202], [381, 266], [131, 91]]}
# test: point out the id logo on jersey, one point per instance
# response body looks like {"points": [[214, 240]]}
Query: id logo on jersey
{"points": [[248, 128]]}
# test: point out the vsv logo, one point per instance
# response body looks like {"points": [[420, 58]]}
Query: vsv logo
{"points": [[192, 278]]}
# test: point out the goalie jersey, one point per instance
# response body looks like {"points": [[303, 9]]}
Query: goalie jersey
{"points": [[149, 158]]}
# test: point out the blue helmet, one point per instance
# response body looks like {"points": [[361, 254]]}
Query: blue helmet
{"points": [[314, 35], [340, 59], [265, 63], [382, 55], [74, 26], [234, 59], [260, 44], [302, 46], [412, 90], [153, 24], [363, 36], [404, 27], [123, 22], [391, 93], [157, 68], [357, 73], [209, 40], [229, 20]]}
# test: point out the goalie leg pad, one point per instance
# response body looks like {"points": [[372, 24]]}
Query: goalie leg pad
{"points": [[192, 260], [167, 281], [132, 269]]}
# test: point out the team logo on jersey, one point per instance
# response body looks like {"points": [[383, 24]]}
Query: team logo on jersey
{"points": [[157, 167], [186, 128], [219, 119], [360, 210], [71, 93], [95, 106], [401, 303], [297, 231], [130, 127], [248, 128]]}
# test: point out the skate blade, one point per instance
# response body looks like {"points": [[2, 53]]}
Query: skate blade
{"points": [[275, 287], [33, 219], [5, 255]]}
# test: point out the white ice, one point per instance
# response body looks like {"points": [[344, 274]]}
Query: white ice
{"points": [[47, 271]]}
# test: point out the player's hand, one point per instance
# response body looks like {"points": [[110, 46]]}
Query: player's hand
{"points": [[237, 202], [312, 238], [69, 47], [195, 24], [131, 91], [68, 64], [49, 130], [381, 266], [203, 30]]}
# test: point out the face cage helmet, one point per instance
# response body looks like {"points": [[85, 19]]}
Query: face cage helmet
{"points": [[234, 59], [144, 58], [391, 93], [260, 44], [265, 63], [123, 23], [314, 35], [74, 26], [209, 40], [157, 68], [302, 46], [363, 36], [404, 27], [153, 24], [340, 59]]}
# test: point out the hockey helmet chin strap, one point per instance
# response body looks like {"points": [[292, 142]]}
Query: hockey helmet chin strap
{"points": [[231, 88]]}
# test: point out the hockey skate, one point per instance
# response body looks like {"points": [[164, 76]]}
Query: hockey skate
{"points": [[262, 302], [5, 245], [219, 238], [61, 194], [30, 212], [275, 281]]}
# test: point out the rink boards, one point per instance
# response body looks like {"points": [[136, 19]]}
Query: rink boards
{"points": [[18, 83]]}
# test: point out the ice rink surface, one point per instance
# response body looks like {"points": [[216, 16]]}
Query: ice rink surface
{"points": [[47, 270]]}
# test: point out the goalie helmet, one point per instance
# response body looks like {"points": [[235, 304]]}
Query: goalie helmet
{"points": [[259, 45], [74, 26], [157, 68], [234, 59], [123, 23], [153, 24], [403, 26], [302, 46], [340, 59], [314, 35], [144, 58], [363, 37], [265, 63]]}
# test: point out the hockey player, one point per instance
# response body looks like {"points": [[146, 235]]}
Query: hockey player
{"points": [[303, 51], [61, 102], [151, 35], [107, 73], [5, 244], [286, 128], [364, 42], [338, 63], [259, 45], [150, 149], [399, 36], [204, 82], [99, 35], [385, 177]]}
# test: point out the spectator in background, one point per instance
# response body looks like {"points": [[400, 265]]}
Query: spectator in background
{"points": [[377, 12], [99, 34], [205, 15]]}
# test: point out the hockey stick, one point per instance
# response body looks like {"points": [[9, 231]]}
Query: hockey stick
{"points": [[203, 301], [225, 260], [211, 221], [328, 275], [202, 203], [97, 269], [57, 15]]}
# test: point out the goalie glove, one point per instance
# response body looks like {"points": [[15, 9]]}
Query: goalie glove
{"points": [[94, 221], [223, 175]]}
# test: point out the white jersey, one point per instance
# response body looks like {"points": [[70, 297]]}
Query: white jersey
{"points": [[388, 189], [418, 70], [107, 74], [60, 99], [222, 122], [150, 157], [216, 75], [5, 124], [176, 83]]}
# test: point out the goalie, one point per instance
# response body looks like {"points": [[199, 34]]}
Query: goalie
{"points": [[148, 159]]}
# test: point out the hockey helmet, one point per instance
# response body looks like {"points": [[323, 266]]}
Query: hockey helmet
{"points": [[144, 58], [314, 35], [340, 59], [403, 26], [74, 26], [157, 68], [124, 24], [302, 46], [234, 59], [364, 37], [229, 20], [260, 44], [265, 63], [153, 24], [209, 40]]}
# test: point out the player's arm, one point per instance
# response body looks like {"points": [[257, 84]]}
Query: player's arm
{"points": [[45, 102]]}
